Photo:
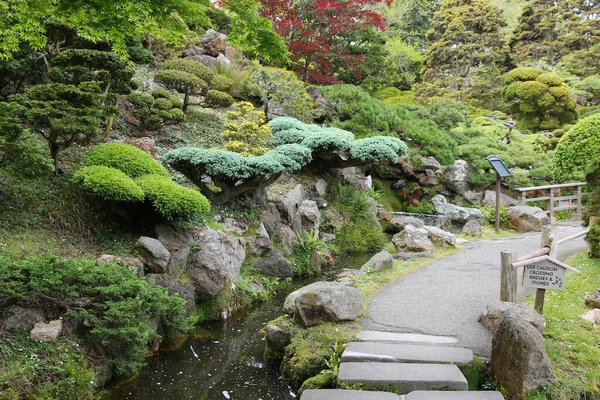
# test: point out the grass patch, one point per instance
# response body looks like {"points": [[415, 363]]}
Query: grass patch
{"points": [[572, 344]]}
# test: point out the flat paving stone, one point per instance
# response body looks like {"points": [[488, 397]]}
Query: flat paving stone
{"points": [[340, 394], [393, 337], [432, 395], [406, 377], [406, 353]]}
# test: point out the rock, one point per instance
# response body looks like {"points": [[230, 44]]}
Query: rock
{"points": [[472, 196], [230, 52], [346, 175], [429, 163], [178, 243], [412, 239], [324, 301], [288, 207], [495, 312], [399, 184], [47, 332], [373, 211], [592, 316], [193, 50], [321, 187], [146, 144], [472, 228], [16, 317], [222, 59], [519, 360], [327, 237], [527, 219], [230, 225], [274, 264], [454, 212], [428, 181], [440, 237], [489, 198], [261, 243], [389, 170], [156, 255], [286, 238], [346, 281], [216, 262], [593, 300], [404, 255], [181, 289], [257, 287], [366, 183], [214, 42], [273, 109], [270, 218], [136, 265], [456, 177], [399, 222], [379, 262], [207, 60], [278, 337], [310, 216]]}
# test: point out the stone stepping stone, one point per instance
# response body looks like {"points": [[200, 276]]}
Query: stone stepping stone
{"points": [[393, 337], [406, 353], [431, 395], [406, 377], [341, 394]]}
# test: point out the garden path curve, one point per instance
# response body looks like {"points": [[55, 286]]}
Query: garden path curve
{"points": [[447, 296]]}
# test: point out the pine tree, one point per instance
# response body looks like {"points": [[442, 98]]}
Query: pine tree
{"points": [[467, 50]]}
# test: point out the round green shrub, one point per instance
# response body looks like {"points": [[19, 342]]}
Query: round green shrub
{"points": [[593, 238], [577, 148], [215, 162], [292, 156], [161, 94], [170, 199], [375, 149], [191, 67], [264, 165], [222, 83], [126, 158], [289, 136], [176, 115], [286, 123], [176, 101], [216, 98], [329, 138], [181, 81], [162, 104], [140, 99], [109, 183]]}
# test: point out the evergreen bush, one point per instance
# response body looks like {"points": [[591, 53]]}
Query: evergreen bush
{"points": [[221, 83], [577, 148], [216, 98], [126, 158], [182, 82], [109, 183], [190, 66], [246, 132]]}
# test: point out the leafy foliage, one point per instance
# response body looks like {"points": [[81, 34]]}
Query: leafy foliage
{"points": [[123, 173], [182, 82], [539, 100], [467, 51], [216, 98], [246, 132], [190, 66], [123, 303], [577, 149], [320, 34], [153, 111]]}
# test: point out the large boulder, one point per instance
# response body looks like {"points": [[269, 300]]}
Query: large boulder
{"points": [[261, 242], [155, 254], [455, 213], [132, 263], [456, 177], [178, 243], [324, 301], [214, 42], [310, 216], [205, 59], [277, 337], [271, 218], [173, 286], [527, 219], [519, 360], [412, 239], [471, 228], [216, 262], [274, 264], [16, 317], [489, 198], [593, 300], [440, 237], [286, 238], [495, 312], [288, 206], [379, 262]]}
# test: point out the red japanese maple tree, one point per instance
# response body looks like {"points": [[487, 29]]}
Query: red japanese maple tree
{"points": [[324, 35]]}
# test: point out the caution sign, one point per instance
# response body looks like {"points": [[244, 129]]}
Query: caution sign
{"points": [[545, 274]]}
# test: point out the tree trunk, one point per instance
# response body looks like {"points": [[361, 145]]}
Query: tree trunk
{"points": [[186, 102], [54, 150]]}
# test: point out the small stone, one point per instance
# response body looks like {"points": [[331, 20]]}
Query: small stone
{"points": [[277, 337], [412, 239], [274, 264], [472, 228], [592, 316], [379, 262], [593, 300], [154, 253], [47, 332]]}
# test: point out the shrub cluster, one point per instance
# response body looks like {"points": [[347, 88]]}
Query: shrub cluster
{"points": [[123, 303], [577, 148], [121, 172], [157, 108]]}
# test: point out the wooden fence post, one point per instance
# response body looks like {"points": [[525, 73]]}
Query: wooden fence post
{"points": [[551, 207], [508, 277], [548, 240], [578, 202]]}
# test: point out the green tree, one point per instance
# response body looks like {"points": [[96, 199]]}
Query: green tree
{"points": [[467, 53], [409, 20], [246, 130], [578, 148], [549, 30], [539, 100]]}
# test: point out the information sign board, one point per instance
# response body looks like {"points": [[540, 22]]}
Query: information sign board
{"points": [[544, 274]]}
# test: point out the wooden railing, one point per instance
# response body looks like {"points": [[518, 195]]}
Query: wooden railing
{"points": [[556, 203]]}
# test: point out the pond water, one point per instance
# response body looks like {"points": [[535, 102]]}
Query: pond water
{"points": [[223, 361]]}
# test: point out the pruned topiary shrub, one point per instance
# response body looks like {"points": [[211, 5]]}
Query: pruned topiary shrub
{"points": [[246, 132], [216, 98], [182, 82], [577, 149], [190, 66], [119, 172], [154, 111], [318, 148]]}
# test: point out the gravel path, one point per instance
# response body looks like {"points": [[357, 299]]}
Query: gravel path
{"points": [[446, 296]]}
